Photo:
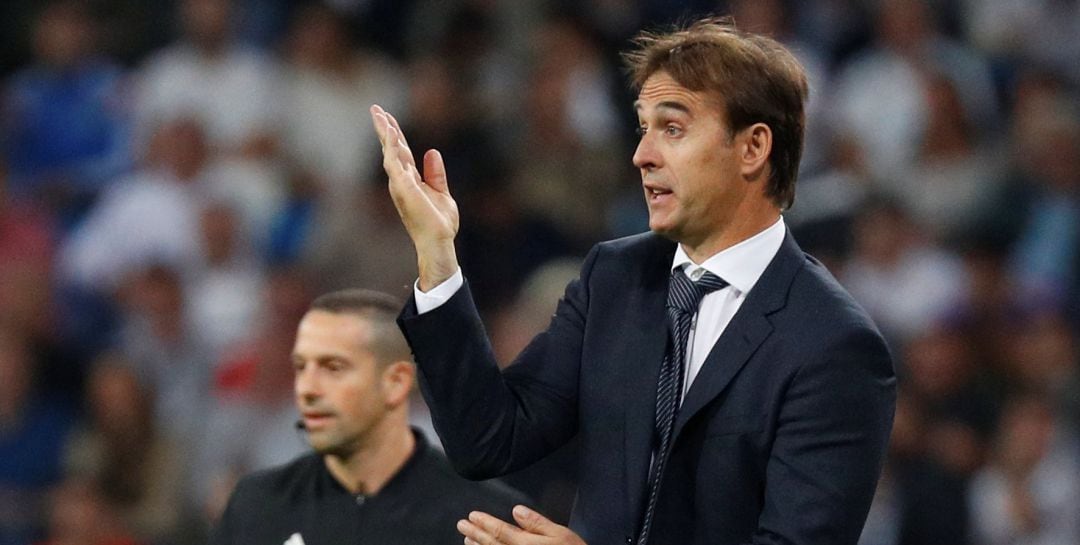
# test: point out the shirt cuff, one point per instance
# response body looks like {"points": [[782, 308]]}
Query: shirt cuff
{"points": [[434, 298]]}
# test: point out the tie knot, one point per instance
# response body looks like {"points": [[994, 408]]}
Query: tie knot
{"points": [[685, 294]]}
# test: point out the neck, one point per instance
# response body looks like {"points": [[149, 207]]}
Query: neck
{"points": [[746, 226], [366, 470]]}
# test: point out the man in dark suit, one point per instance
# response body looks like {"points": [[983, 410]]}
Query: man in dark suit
{"points": [[724, 387]]}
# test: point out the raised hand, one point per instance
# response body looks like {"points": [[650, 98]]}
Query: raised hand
{"points": [[423, 201], [532, 529]]}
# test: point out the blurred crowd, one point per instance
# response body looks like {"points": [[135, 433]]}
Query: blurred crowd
{"points": [[179, 178]]}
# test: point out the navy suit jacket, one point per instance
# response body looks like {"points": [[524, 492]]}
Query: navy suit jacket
{"points": [[780, 438]]}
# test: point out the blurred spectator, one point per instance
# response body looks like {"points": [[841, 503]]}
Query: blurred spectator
{"points": [[138, 470], [329, 87], [501, 246], [150, 217], [827, 203], [233, 91], [954, 172], [224, 290], [486, 46], [26, 234], [880, 95], [955, 393], [163, 202], [361, 242], [333, 220], [918, 501], [840, 28], [573, 166], [33, 429], [26, 248], [80, 514], [65, 117], [1044, 32], [1046, 138], [27, 301], [1044, 357], [161, 347], [1030, 491], [903, 281], [990, 305], [444, 114], [251, 421]]}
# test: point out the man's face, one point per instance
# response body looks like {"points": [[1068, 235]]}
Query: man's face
{"points": [[338, 385], [688, 162]]}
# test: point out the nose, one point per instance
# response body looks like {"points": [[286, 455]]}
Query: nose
{"points": [[306, 384], [645, 156]]}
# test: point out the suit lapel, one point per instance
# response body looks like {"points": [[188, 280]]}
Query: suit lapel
{"points": [[742, 337], [647, 320]]}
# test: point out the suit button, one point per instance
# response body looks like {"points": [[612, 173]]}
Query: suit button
{"points": [[629, 540], [361, 499]]}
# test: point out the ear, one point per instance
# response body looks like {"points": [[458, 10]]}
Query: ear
{"points": [[397, 381], [755, 146]]}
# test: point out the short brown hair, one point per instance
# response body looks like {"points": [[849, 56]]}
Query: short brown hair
{"points": [[387, 342], [755, 79]]}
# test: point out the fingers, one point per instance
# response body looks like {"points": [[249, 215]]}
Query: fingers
{"points": [[390, 136], [484, 529], [533, 522], [386, 125], [435, 171], [396, 148], [381, 122], [397, 158]]}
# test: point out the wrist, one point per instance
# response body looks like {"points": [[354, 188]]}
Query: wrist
{"points": [[436, 264]]}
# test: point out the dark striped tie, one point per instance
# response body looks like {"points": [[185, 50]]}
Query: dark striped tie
{"points": [[684, 296]]}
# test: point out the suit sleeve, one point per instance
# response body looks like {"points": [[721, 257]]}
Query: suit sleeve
{"points": [[492, 422], [831, 438]]}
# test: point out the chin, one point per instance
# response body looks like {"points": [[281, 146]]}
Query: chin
{"points": [[339, 451], [662, 229]]}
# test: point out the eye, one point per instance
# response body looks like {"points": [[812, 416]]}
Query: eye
{"points": [[673, 130], [641, 130]]}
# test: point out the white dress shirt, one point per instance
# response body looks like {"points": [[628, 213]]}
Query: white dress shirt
{"points": [[740, 265]]}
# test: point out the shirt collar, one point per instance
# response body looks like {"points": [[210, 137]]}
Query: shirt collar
{"points": [[742, 264]]}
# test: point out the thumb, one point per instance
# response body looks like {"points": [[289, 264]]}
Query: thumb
{"points": [[435, 171], [533, 522]]}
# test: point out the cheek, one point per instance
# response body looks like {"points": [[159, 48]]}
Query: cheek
{"points": [[359, 399]]}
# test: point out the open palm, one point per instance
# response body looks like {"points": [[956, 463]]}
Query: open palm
{"points": [[422, 200]]}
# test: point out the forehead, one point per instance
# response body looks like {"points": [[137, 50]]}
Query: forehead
{"points": [[661, 91], [322, 330]]}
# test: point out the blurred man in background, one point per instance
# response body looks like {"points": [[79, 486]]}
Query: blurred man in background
{"points": [[371, 479]]}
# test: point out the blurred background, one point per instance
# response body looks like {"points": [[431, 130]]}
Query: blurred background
{"points": [[179, 178]]}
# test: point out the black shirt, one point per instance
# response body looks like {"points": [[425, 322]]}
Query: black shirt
{"points": [[421, 504]]}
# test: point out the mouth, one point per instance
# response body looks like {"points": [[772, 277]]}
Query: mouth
{"points": [[316, 420], [655, 193]]}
